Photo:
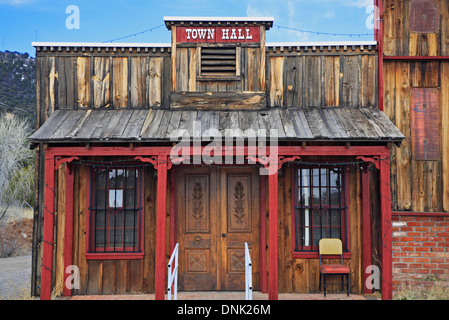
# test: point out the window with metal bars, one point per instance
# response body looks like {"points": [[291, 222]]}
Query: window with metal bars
{"points": [[320, 206], [115, 210], [219, 61]]}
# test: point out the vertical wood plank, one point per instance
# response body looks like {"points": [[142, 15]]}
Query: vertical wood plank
{"points": [[276, 81], [101, 82], [120, 82], [402, 114], [83, 82]]}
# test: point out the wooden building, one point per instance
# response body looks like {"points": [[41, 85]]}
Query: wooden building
{"points": [[114, 198], [415, 58]]}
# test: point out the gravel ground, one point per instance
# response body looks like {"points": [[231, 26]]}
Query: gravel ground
{"points": [[15, 278]]}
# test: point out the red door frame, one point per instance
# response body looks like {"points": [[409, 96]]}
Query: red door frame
{"points": [[159, 157]]}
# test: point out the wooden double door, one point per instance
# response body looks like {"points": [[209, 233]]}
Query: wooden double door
{"points": [[218, 211]]}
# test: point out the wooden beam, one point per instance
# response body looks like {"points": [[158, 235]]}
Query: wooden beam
{"points": [[48, 241], [68, 227], [386, 233], [161, 208], [230, 100], [381, 151], [366, 226], [273, 237]]}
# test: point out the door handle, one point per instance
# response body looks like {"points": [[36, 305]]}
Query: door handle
{"points": [[223, 235]]}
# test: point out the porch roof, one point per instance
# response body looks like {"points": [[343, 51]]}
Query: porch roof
{"points": [[159, 125]]}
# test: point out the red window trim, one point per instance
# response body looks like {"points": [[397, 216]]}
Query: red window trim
{"points": [[345, 235], [105, 255]]}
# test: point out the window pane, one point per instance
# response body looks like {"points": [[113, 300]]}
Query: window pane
{"points": [[320, 206], [118, 228]]}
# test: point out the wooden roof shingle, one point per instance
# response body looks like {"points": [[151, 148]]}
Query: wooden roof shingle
{"points": [[158, 125]]}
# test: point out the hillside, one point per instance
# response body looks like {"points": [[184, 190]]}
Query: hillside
{"points": [[18, 85]]}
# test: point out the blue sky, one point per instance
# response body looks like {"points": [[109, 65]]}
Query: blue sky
{"points": [[25, 21]]}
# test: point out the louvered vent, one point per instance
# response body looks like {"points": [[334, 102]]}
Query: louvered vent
{"points": [[218, 61]]}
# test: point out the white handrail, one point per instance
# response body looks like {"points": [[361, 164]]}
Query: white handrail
{"points": [[248, 275], [173, 275]]}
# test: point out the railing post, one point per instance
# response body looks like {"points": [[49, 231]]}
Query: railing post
{"points": [[172, 280], [248, 275]]}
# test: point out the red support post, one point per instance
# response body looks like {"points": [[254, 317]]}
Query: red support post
{"points": [[48, 241], [366, 226], [68, 228], [386, 232], [173, 218], [262, 235], [273, 236], [161, 208]]}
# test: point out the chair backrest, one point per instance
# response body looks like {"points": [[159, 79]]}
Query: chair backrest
{"points": [[329, 246]]}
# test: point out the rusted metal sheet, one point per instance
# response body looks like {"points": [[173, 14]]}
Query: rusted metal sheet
{"points": [[424, 16], [425, 123]]}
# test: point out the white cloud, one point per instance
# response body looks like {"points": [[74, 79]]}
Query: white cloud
{"points": [[17, 2]]}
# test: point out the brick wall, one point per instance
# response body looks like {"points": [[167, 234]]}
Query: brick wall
{"points": [[420, 250]]}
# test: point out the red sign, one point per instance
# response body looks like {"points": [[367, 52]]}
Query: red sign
{"points": [[217, 34]]}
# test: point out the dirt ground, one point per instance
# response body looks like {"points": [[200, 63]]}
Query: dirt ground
{"points": [[15, 259]]}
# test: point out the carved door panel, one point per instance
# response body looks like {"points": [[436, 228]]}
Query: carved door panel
{"points": [[217, 214], [239, 193], [197, 237]]}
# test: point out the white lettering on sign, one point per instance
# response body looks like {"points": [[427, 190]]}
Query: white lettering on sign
{"points": [[225, 34], [209, 34]]}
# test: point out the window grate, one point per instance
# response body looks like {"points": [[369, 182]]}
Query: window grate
{"points": [[218, 61], [320, 206], [115, 210]]}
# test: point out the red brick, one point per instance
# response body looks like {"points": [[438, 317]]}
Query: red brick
{"points": [[414, 254], [437, 229], [406, 238], [421, 229], [423, 271], [443, 234], [415, 265], [421, 238], [414, 224], [429, 244], [422, 249], [413, 234], [400, 265], [422, 259], [427, 224]]}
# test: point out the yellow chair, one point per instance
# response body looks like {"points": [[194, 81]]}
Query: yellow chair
{"points": [[333, 247]]}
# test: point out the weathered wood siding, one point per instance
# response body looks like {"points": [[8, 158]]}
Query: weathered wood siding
{"points": [[109, 80], [248, 67], [103, 276], [417, 185], [343, 76], [302, 274], [399, 40]]}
